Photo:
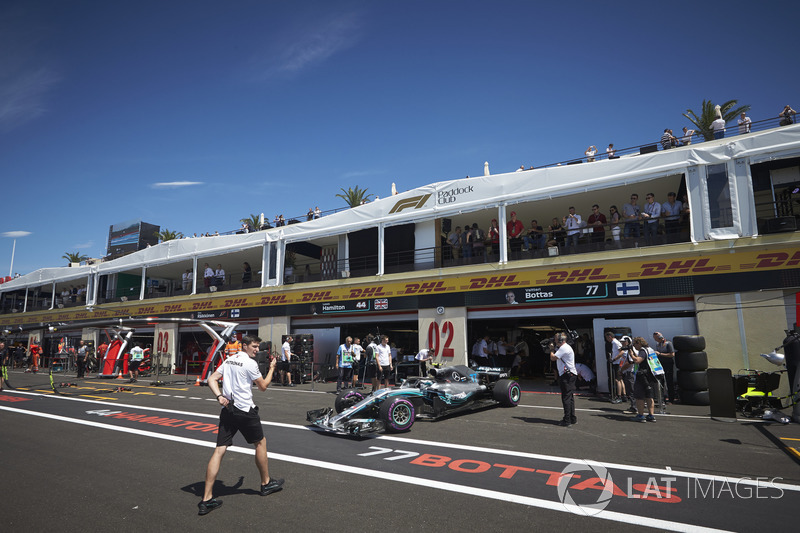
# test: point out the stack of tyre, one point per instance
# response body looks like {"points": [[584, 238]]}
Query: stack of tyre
{"points": [[692, 363]]}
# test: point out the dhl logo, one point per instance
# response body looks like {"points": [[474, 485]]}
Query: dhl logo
{"points": [[274, 300], [416, 202], [422, 288], [493, 282], [318, 296], [369, 292], [235, 302]]}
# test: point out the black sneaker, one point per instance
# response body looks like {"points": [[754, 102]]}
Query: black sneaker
{"points": [[208, 506], [274, 485]]}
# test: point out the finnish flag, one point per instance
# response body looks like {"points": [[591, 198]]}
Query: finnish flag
{"points": [[234, 313], [628, 288]]}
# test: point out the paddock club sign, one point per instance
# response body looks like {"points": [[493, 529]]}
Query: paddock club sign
{"points": [[628, 271], [444, 197]]}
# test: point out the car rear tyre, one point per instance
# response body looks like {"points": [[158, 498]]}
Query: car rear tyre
{"points": [[346, 399], [398, 414], [507, 392]]}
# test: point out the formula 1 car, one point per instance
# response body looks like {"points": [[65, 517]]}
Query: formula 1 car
{"points": [[448, 390]]}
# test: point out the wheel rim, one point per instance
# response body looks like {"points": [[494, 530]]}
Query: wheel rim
{"points": [[514, 394], [401, 414]]}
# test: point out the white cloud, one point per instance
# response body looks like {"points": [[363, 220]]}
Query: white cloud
{"points": [[23, 96], [309, 45], [26, 79], [175, 184], [16, 234], [84, 245]]}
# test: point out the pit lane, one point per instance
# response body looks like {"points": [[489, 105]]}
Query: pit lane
{"points": [[507, 474]]}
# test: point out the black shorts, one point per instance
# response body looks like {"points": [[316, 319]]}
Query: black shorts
{"points": [[232, 420], [371, 371], [283, 366], [385, 373], [644, 387], [134, 365]]}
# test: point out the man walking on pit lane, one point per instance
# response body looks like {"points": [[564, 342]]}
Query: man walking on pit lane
{"points": [[239, 413]]}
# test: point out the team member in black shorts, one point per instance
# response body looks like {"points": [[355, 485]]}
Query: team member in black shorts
{"points": [[371, 368], [239, 413], [383, 353]]}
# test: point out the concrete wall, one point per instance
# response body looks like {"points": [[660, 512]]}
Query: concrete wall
{"points": [[272, 328], [738, 327]]}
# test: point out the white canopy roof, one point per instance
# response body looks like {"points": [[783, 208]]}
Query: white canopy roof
{"points": [[449, 198]]}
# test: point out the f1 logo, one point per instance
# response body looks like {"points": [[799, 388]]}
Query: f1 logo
{"points": [[416, 202]]}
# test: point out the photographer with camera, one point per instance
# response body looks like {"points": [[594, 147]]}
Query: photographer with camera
{"points": [[564, 356]]}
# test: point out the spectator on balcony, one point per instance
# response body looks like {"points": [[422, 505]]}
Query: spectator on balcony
{"points": [[219, 275], [478, 242], [597, 223], [247, 272], [651, 216], [454, 240], [208, 276], [514, 228], [494, 236], [744, 124], [535, 238], [557, 233], [317, 212], [671, 211], [573, 223], [719, 128], [245, 228], [686, 138], [310, 214], [186, 280], [668, 140], [466, 241], [787, 116], [615, 229], [611, 152], [590, 153], [630, 214]]}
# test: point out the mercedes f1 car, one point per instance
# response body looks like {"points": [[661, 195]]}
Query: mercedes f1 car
{"points": [[446, 391]]}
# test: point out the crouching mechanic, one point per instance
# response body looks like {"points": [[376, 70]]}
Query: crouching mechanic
{"points": [[239, 413]]}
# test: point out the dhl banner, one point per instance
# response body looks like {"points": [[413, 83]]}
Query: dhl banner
{"points": [[377, 294]]}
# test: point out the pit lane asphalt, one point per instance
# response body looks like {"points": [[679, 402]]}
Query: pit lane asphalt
{"points": [[485, 469]]}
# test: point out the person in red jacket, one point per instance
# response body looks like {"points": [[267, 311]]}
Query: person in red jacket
{"points": [[514, 228]]}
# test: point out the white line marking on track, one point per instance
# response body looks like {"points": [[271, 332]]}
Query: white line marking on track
{"points": [[451, 487], [514, 453]]}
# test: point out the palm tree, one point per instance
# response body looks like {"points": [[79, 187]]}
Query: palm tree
{"points": [[74, 257], [168, 235], [354, 197], [254, 221], [709, 115]]}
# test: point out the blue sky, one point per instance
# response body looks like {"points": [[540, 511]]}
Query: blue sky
{"points": [[194, 114]]}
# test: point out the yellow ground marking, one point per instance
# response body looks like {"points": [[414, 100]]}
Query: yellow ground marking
{"points": [[795, 452], [97, 397], [788, 438]]}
